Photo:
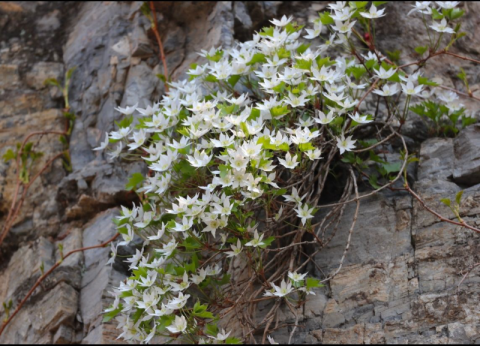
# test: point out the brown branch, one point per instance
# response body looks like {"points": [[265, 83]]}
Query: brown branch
{"points": [[160, 45], [442, 218], [41, 278], [15, 208]]}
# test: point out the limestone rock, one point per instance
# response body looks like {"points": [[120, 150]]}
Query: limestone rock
{"points": [[467, 156]]}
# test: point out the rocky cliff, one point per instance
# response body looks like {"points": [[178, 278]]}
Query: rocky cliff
{"points": [[399, 282]]}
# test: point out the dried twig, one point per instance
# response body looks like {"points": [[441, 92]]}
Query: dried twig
{"points": [[44, 276]]}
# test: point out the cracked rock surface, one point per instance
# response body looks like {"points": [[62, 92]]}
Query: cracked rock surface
{"points": [[399, 281]]}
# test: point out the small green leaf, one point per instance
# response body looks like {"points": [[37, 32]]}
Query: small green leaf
{"points": [[425, 81], [161, 77], [69, 73], [421, 49], [436, 15], [458, 197], [257, 58], [326, 19], [312, 283], [135, 179], [446, 201], [53, 82], [9, 155]]}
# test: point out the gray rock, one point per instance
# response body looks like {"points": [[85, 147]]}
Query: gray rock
{"points": [[436, 159], [467, 156]]}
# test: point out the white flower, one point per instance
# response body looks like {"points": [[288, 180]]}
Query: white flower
{"points": [[199, 159], [282, 22], [410, 89], [289, 161], [236, 249], [283, 290], [103, 144], [270, 339], [384, 74], [322, 118], [138, 138], [221, 336], [447, 4], [296, 277], [387, 90], [442, 27], [179, 325], [361, 119], [345, 144], [256, 241], [304, 213], [422, 7], [127, 110], [373, 13]]}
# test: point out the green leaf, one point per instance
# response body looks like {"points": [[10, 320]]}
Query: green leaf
{"points": [[135, 179], [462, 75], [267, 31], [303, 64], [234, 79], [378, 3], [111, 314], [211, 329], [257, 58], [392, 167], [373, 180], [458, 197], [395, 55], [425, 81], [211, 78], [357, 71], [185, 168], [456, 13], [233, 341], [223, 170], [312, 283], [326, 19], [69, 73], [161, 77], [358, 4], [9, 155], [52, 81], [267, 242], [279, 111], [280, 192], [446, 201], [306, 146], [421, 49], [436, 15], [303, 47]]}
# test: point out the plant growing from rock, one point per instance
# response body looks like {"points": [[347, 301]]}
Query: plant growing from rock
{"points": [[25, 156], [238, 158]]}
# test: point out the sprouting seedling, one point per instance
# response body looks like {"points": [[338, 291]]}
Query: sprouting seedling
{"points": [[455, 208]]}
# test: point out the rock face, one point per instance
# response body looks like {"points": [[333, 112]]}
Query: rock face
{"points": [[399, 280]]}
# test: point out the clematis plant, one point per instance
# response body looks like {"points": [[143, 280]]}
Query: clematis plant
{"points": [[236, 170]]}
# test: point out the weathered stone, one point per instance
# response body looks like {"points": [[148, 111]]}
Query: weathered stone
{"points": [[436, 159], [9, 76], [64, 335], [42, 71], [378, 216], [24, 267], [352, 335], [467, 156]]}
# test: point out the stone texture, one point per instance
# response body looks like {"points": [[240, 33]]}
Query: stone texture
{"points": [[398, 283], [467, 156], [436, 159]]}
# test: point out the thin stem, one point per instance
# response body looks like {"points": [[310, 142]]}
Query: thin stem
{"points": [[44, 276]]}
